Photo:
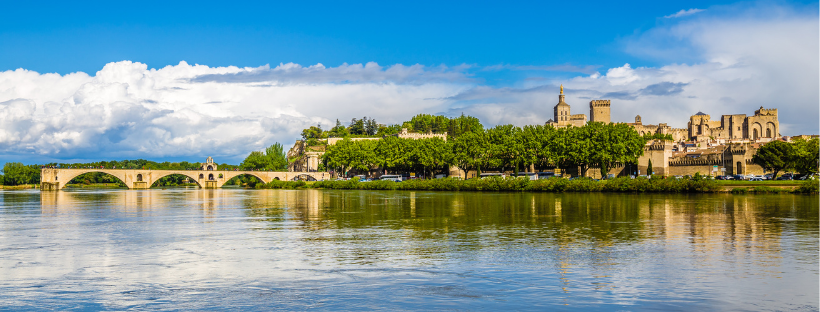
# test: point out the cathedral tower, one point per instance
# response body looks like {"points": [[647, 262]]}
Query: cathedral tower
{"points": [[561, 110]]}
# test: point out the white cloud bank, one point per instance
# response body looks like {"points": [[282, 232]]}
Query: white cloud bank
{"points": [[127, 110]]}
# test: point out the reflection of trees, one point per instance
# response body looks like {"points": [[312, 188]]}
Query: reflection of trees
{"points": [[598, 230]]}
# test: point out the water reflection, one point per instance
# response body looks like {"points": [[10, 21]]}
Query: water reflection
{"points": [[479, 250]]}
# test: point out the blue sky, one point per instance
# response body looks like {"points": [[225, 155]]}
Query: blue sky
{"points": [[65, 37], [499, 61]]}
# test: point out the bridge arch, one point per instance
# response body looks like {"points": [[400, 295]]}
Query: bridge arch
{"points": [[228, 175], [75, 173], [182, 173], [304, 176]]}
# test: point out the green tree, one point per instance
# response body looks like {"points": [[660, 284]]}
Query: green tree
{"points": [[774, 156], [371, 127], [539, 145], [805, 155], [468, 150], [256, 160], [430, 154], [649, 168], [277, 158], [356, 126], [506, 147], [393, 153], [463, 124], [339, 130], [346, 155], [614, 143], [15, 173], [574, 146]]}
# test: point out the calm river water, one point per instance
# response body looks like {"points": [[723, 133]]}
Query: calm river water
{"points": [[184, 249]]}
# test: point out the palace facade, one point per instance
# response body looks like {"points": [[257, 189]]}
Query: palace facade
{"points": [[763, 126]]}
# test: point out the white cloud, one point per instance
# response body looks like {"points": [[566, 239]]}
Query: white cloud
{"points": [[684, 13], [128, 110]]}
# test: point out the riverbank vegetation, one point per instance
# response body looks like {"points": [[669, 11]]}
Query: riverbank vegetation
{"points": [[655, 184], [495, 184]]}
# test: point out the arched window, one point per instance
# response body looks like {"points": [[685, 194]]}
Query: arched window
{"points": [[211, 176], [739, 168], [768, 133], [139, 178], [201, 176], [220, 176], [754, 134], [210, 167]]}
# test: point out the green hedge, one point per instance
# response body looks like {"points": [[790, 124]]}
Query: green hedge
{"points": [[522, 184]]}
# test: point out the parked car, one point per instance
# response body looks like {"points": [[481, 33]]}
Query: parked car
{"points": [[391, 177], [756, 179], [528, 175], [492, 174], [547, 175], [784, 177], [767, 176]]}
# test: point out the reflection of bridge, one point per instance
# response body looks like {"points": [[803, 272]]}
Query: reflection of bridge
{"points": [[55, 179]]}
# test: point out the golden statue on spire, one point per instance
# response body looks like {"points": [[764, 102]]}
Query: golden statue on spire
{"points": [[562, 88]]}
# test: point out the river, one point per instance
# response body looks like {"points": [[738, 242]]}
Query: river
{"points": [[192, 249]]}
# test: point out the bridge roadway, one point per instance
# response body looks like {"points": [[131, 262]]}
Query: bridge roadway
{"points": [[53, 179]]}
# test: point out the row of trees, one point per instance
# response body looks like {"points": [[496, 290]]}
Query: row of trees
{"points": [[800, 155], [368, 127], [503, 148]]}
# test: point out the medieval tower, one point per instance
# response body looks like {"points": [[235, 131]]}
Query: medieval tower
{"points": [[599, 111]]}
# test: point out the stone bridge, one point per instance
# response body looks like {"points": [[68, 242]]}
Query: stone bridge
{"points": [[56, 179]]}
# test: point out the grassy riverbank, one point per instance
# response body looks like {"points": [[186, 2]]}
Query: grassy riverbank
{"points": [[19, 187], [497, 184]]}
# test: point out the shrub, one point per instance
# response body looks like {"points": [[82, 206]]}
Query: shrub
{"points": [[809, 187], [276, 184]]}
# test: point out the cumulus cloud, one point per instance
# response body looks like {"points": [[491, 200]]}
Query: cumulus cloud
{"points": [[684, 13], [734, 61], [128, 110]]}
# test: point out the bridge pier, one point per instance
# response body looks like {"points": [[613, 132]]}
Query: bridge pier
{"points": [[211, 185], [49, 186], [140, 185]]}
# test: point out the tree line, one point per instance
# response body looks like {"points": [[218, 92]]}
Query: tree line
{"points": [[504, 147], [369, 127]]}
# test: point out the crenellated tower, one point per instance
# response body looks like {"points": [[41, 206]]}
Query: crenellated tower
{"points": [[599, 111]]}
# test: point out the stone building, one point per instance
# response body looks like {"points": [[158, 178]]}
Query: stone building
{"points": [[661, 128], [763, 126], [208, 164], [599, 111], [562, 116]]}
